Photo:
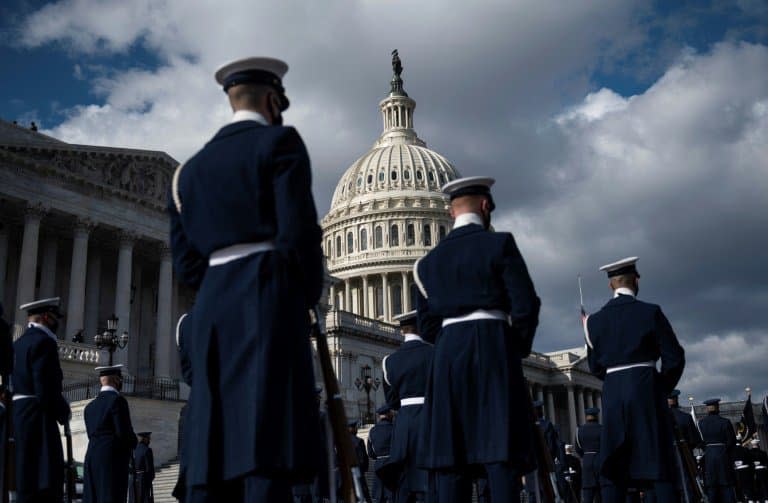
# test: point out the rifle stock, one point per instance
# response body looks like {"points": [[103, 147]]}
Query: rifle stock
{"points": [[351, 476], [545, 473]]}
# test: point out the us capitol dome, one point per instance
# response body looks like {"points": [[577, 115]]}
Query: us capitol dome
{"points": [[387, 211]]}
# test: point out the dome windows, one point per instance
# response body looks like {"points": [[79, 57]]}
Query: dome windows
{"points": [[394, 236], [407, 173], [338, 246], [410, 235], [359, 181], [350, 243], [441, 232], [370, 179], [427, 235], [431, 176], [363, 239], [419, 175], [378, 237], [393, 175], [381, 175]]}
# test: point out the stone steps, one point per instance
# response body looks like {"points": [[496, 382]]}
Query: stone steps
{"points": [[165, 481]]}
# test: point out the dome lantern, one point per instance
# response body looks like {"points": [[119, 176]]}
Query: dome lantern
{"points": [[397, 111]]}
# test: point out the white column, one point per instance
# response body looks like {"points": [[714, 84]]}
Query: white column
{"points": [[3, 262], [77, 275], [48, 267], [571, 412], [385, 295], [92, 294], [406, 293], [539, 392], [365, 296], [123, 290], [164, 338], [551, 406], [347, 296], [580, 403], [588, 396], [332, 296], [25, 290]]}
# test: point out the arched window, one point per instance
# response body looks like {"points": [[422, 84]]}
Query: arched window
{"points": [[370, 179], [329, 248], [397, 300], [427, 235], [430, 175], [378, 237], [379, 301], [350, 242], [419, 174], [363, 239], [394, 175], [441, 232], [394, 236], [381, 175], [407, 173], [410, 235], [338, 246]]}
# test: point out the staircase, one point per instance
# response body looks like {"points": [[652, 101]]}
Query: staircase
{"points": [[165, 480]]}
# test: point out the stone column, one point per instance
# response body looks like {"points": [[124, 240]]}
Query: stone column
{"points": [[580, 404], [3, 262], [123, 289], [539, 392], [551, 406], [588, 398], [347, 296], [332, 296], [25, 290], [572, 412], [406, 293], [77, 275], [365, 296], [48, 267], [164, 339], [92, 294], [385, 295]]}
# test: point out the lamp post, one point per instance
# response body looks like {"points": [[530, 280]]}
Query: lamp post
{"points": [[367, 383], [109, 339]]}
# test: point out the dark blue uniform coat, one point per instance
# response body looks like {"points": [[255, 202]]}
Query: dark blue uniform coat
{"points": [[111, 441], [379, 443], [637, 437], [6, 367], [39, 455], [144, 462], [588, 447], [406, 372], [254, 389], [720, 439], [687, 428], [476, 383]]}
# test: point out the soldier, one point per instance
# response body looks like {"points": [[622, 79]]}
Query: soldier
{"points": [[244, 234], [478, 302], [684, 422], [180, 489], [6, 367], [406, 372], [572, 475], [379, 444], [588, 447], [556, 452], [625, 339], [719, 438], [362, 454], [144, 464], [111, 440], [745, 473], [38, 405], [760, 462]]}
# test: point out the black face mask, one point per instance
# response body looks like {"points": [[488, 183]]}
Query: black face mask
{"points": [[277, 116]]}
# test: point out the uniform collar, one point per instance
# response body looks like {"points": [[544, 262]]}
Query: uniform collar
{"points": [[108, 388], [467, 219], [412, 337], [623, 291], [248, 115], [44, 329]]}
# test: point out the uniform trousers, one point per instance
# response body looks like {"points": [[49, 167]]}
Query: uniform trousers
{"points": [[590, 494], [246, 489], [45, 496], [721, 494], [503, 482]]}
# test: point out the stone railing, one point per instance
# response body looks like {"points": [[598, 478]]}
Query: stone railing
{"points": [[362, 258], [336, 319], [538, 359], [79, 353]]}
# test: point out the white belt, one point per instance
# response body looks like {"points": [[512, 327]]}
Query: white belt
{"points": [[22, 397], [414, 400], [716, 444], [480, 314], [619, 368], [742, 467], [760, 467], [590, 452], [234, 252]]}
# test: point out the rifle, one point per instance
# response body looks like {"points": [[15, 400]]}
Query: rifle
{"points": [[351, 476], [581, 299], [8, 477], [70, 471], [546, 477], [693, 492]]}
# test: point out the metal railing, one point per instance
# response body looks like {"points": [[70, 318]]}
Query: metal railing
{"points": [[156, 388]]}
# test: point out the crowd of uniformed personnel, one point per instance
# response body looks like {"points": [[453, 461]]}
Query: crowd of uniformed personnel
{"points": [[245, 237]]}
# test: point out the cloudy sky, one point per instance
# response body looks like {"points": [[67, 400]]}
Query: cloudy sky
{"points": [[613, 128]]}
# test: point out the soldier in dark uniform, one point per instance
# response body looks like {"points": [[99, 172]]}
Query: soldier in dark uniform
{"points": [[684, 422], [38, 405], [406, 372], [745, 473], [760, 462], [588, 447], [477, 301], [379, 444], [111, 441], [6, 367], [180, 489], [360, 451], [144, 464], [719, 438], [572, 475], [556, 452], [625, 339], [244, 234]]}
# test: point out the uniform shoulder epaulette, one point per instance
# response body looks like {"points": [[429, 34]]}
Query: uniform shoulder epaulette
{"points": [[175, 187]]}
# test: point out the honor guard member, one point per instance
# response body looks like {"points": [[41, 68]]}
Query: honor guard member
{"points": [[244, 234], [572, 475], [588, 447], [6, 367], [742, 464], [555, 448], [111, 440], [625, 339], [684, 422], [379, 444], [720, 440], [144, 463], [38, 405], [406, 372], [475, 288], [760, 461]]}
